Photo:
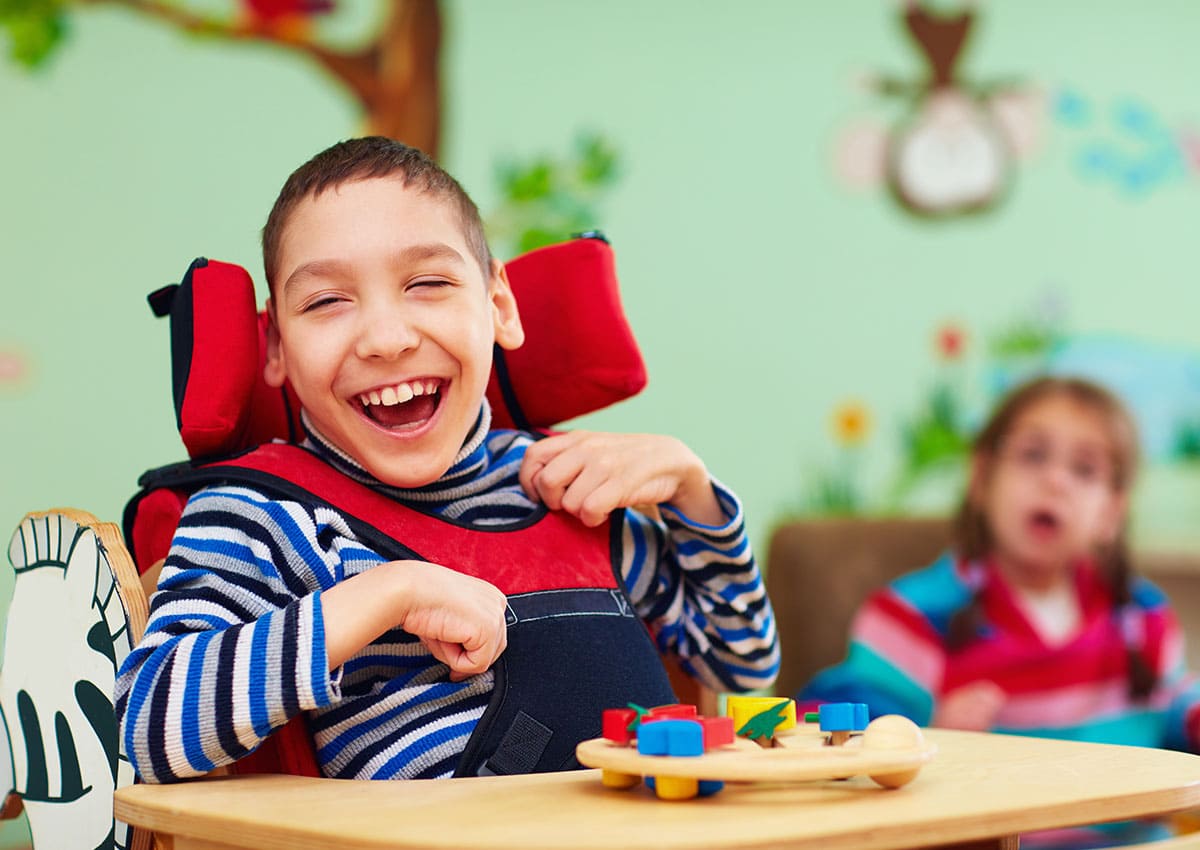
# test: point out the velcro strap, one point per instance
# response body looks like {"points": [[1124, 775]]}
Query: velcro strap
{"points": [[520, 749]]}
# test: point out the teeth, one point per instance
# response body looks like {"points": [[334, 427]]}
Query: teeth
{"points": [[398, 394]]}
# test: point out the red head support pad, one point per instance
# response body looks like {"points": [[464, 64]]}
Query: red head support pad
{"points": [[579, 353]]}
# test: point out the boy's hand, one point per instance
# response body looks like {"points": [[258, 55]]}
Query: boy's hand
{"points": [[972, 707], [591, 474], [459, 617]]}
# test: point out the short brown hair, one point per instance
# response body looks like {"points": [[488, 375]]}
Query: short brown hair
{"points": [[362, 159]]}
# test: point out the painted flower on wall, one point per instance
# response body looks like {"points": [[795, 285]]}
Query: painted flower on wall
{"points": [[836, 490], [1160, 384], [851, 423], [933, 439], [13, 367], [950, 341]]}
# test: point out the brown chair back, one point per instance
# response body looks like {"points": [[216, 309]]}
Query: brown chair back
{"points": [[819, 571]]}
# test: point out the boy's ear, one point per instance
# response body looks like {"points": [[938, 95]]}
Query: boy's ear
{"points": [[274, 372], [506, 318]]}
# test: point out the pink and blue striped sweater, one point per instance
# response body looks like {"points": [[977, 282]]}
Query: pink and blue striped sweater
{"points": [[899, 662]]}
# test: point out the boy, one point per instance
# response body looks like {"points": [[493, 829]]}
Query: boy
{"points": [[385, 305]]}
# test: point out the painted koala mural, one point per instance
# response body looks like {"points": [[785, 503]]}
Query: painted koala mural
{"points": [[66, 635]]}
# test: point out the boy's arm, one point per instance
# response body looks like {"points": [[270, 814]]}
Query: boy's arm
{"points": [[234, 646], [252, 617], [698, 587], [691, 576], [459, 617]]}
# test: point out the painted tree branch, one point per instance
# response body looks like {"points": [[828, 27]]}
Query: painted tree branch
{"points": [[395, 78]]}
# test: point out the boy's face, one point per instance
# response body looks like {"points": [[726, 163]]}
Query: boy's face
{"points": [[384, 322]]}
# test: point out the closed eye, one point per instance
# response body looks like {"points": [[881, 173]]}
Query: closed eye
{"points": [[318, 303]]}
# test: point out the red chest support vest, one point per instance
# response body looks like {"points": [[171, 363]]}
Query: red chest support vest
{"points": [[575, 645]]}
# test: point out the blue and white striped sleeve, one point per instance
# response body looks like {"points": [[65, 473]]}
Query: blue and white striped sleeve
{"points": [[234, 646], [700, 590]]}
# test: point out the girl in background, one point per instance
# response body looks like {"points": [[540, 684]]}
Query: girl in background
{"points": [[1034, 623]]}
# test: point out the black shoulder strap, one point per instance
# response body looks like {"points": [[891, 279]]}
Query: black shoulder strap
{"points": [[269, 474]]}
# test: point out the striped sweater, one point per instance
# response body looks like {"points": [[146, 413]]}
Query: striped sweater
{"points": [[235, 643], [898, 660]]}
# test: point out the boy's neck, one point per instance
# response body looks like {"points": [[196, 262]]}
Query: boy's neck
{"points": [[471, 445]]}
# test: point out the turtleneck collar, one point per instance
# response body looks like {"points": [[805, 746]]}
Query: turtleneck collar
{"points": [[470, 461]]}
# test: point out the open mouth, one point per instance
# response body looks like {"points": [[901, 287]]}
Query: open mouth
{"points": [[1044, 522], [404, 406]]}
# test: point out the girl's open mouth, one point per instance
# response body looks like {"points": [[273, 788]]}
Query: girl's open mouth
{"points": [[1044, 523], [404, 406]]}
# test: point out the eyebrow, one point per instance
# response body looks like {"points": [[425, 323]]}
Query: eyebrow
{"points": [[341, 268], [316, 268], [429, 251]]}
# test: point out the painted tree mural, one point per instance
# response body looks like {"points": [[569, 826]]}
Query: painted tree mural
{"points": [[393, 75]]}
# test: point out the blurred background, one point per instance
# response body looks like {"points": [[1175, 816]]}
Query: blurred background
{"points": [[841, 228]]}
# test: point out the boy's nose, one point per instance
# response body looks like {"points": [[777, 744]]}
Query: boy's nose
{"points": [[386, 336]]}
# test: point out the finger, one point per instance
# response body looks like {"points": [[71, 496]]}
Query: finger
{"points": [[544, 451], [589, 478], [536, 457], [465, 663], [556, 476], [462, 665], [527, 473], [483, 657], [443, 651], [498, 643], [598, 502], [474, 663]]}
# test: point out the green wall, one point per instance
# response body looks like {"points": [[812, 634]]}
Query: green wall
{"points": [[764, 292]]}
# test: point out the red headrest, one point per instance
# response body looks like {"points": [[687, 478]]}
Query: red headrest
{"points": [[579, 353]]}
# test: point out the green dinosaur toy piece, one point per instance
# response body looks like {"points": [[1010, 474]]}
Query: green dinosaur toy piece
{"points": [[763, 724]]}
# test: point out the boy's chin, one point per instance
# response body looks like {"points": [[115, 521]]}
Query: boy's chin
{"points": [[408, 471], [408, 479]]}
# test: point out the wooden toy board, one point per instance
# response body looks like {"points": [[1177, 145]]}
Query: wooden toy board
{"points": [[800, 754]]}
